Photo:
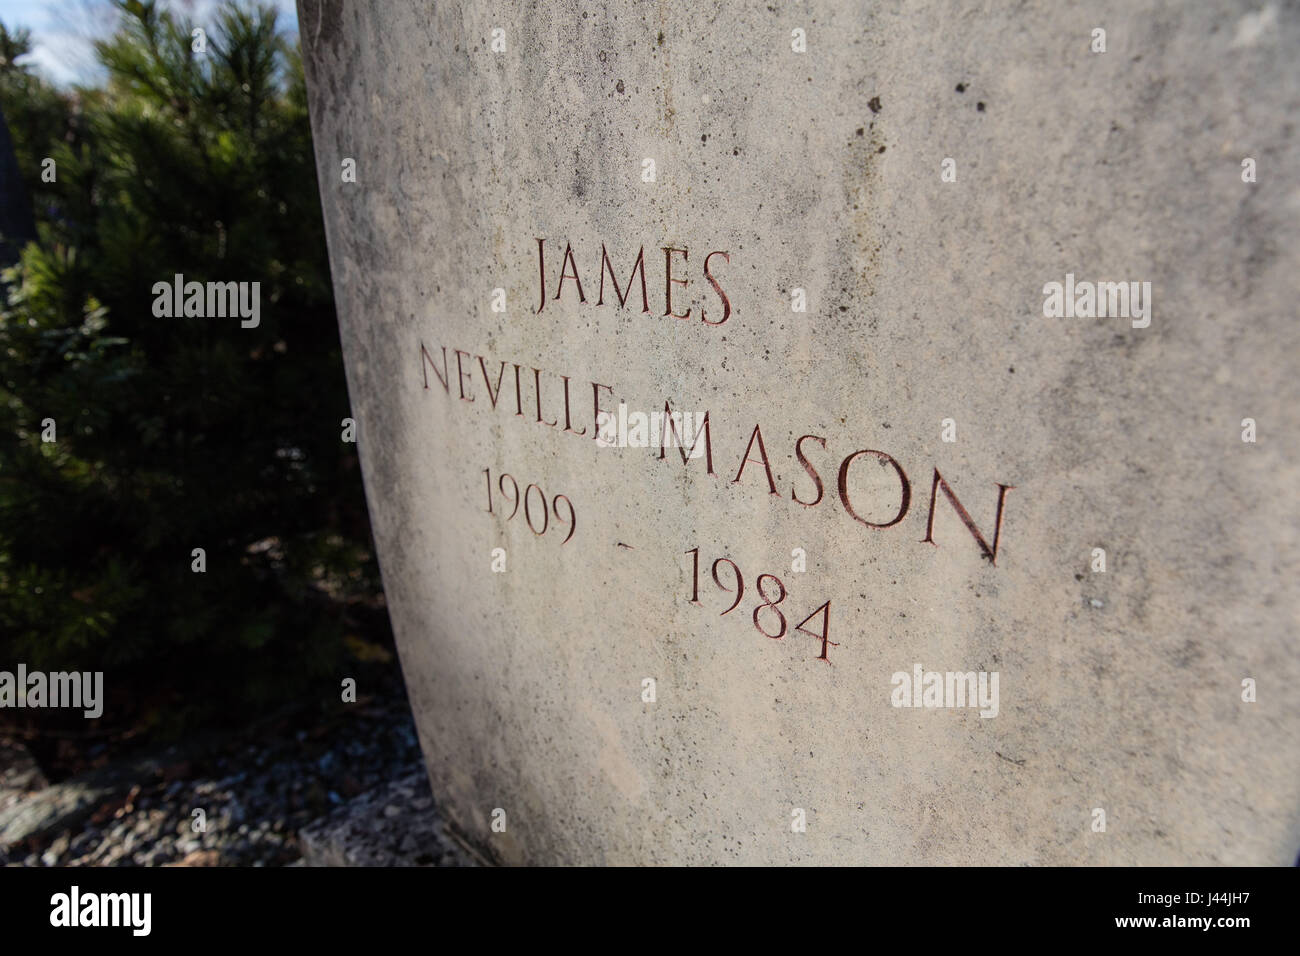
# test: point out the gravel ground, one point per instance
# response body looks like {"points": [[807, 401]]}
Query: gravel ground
{"points": [[256, 793], [396, 824]]}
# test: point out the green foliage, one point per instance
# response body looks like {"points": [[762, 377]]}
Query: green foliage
{"points": [[175, 433]]}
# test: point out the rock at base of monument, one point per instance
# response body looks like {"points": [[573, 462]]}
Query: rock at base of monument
{"points": [[36, 811], [19, 773], [393, 825]]}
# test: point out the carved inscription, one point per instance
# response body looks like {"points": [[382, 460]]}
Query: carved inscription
{"points": [[775, 619], [533, 506], [535, 396], [673, 259], [549, 397]]}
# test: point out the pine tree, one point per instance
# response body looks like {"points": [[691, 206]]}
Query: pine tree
{"points": [[175, 433]]}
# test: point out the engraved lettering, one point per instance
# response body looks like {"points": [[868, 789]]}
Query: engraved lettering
{"points": [[541, 271], [669, 280], [564, 274], [607, 266], [812, 472], [989, 553], [757, 435], [529, 509], [537, 382], [567, 426], [688, 453], [487, 382], [461, 373], [596, 410], [726, 303], [844, 488], [426, 360]]}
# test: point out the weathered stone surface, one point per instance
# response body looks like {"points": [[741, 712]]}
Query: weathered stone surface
{"points": [[823, 171]]}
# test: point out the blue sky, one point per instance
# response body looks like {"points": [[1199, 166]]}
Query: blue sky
{"points": [[63, 30]]}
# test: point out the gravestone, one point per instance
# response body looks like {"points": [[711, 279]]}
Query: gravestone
{"points": [[830, 432]]}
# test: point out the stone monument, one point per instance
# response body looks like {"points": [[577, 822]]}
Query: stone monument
{"points": [[830, 432]]}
